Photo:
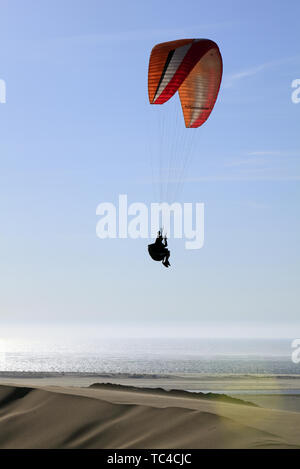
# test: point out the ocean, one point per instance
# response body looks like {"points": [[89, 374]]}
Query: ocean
{"points": [[147, 355]]}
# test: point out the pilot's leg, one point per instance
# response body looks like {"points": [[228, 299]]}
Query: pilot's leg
{"points": [[166, 259]]}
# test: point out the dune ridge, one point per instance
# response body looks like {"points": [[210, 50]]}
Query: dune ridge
{"points": [[174, 392]]}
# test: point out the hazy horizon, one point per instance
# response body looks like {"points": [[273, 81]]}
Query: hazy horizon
{"points": [[83, 330]]}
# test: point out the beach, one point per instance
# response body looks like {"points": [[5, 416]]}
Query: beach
{"points": [[124, 411]]}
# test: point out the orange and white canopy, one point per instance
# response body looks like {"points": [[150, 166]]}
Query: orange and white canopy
{"points": [[193, 67]]}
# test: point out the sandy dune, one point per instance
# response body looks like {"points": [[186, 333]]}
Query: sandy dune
{"points": [[108, 417]]}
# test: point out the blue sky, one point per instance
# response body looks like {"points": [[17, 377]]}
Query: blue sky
{"points": [[74, 133]]}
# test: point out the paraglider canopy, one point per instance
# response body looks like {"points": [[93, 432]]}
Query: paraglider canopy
{"points": [[193, 67]]}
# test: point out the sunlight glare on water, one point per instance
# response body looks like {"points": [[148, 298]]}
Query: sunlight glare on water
{"points": [[60, 351]]}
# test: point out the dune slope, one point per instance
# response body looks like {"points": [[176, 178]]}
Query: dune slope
{"points": [[38, 418]]}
